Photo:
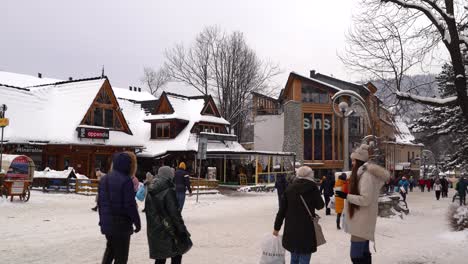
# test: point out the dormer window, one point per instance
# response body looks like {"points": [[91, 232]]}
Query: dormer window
{"points": [[160, 130]]}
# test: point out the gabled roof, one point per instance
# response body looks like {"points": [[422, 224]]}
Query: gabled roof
{"points": [[345, 85], [294, 75], [134, 96], [402, 133], [23, 80], [51, 113], [210, 106]]}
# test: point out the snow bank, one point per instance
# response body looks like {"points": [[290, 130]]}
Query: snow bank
{"points": [[53, 174]]}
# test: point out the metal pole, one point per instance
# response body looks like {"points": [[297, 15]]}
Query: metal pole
{"points": [[199, 173], [345, 143], [1, 150], [256, 169]]}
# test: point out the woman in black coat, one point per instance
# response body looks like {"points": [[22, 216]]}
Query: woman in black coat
{"points": [[299, 233], [167, 235]]}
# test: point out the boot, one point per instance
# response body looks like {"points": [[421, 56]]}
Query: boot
{"points": [[358, 260], [328, 211], [94, 208], [338, 218]]}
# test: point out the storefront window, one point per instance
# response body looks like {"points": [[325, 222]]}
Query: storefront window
{"points": [[307, 136], [318, 123], [328, 136]]}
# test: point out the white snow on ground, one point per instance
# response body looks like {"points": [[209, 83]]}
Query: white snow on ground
{"points": [[61, 228]]}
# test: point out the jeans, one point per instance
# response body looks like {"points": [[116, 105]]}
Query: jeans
{"points": [[327, 201], [300, 258], [437, 195], [116, 249], [359, 249], [174, 260], [180, 199]]}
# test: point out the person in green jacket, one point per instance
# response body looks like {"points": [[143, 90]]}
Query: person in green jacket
{"points": [[167, 234]]}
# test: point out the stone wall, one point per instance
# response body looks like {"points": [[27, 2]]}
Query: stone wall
{"points": [[293, 130]]}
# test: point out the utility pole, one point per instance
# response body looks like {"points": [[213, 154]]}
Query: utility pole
{"points": [[3, 124]]}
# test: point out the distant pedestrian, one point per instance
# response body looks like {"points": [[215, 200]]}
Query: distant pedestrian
{"points": [[117, 208], [299, 232], [461, 187], [445, 186], [403, 187], [362, 203], [428, 184], [168, 236], [182, 184], [437, 189], [326, 188], [280, 184], [148, 180], [422, 184], [340, 185], [412, 183], [99, 174]]}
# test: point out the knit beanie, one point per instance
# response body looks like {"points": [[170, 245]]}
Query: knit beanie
{"points": [[361, 153], [305, 172]]}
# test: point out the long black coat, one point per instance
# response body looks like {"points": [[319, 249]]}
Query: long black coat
{"points": [[299, 233], [167, 234]]}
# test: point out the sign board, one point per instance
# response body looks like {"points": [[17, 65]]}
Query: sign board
{"points": [[28, 149], [202, 147], [17, 188], [93, 133], [4, 122]]}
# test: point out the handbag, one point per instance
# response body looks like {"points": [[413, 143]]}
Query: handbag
{"points": [[140, 195], [319, 237]]}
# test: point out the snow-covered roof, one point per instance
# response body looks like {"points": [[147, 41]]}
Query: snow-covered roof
{"points": [[122, 93], [51, 113], [402, 133], [188, 108], [23, 80]]}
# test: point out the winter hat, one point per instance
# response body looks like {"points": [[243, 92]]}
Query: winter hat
{"points": [[165, 171], [305, 172], [342, 176], [182, 166], [361, 153]]}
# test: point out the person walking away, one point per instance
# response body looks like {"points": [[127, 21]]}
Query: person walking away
{"points": [[99, 174], [428, 184], [326, 188], [411, 183], [117, 208], [167, 234], [422, 184], [299, 232], [182, 184], [461, 189], [437, 189], [280, 184], [361, 203], [403, 185], [445, 185], [148, 180], [340, 185]]}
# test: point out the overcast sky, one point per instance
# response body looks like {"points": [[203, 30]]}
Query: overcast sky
{"points": [[75, 38]]}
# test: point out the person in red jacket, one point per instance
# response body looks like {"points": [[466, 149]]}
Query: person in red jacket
{"points": [[422, 184], [428, 184]]}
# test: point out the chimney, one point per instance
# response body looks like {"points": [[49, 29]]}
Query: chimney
{"points": [[312, 73], [130, 88], [39, 75], [70, 78], [139, 89]]}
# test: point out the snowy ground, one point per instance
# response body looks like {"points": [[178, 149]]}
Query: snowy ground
{"points": [[61, 228]]}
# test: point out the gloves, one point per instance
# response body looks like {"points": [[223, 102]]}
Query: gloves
{"points": [[341, 194], [137, 229]]}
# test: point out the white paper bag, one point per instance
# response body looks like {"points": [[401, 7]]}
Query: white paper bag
{"points": [[331, 204], [272, 250]]}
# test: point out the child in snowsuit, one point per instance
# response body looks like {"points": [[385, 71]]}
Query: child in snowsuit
{"points": [[340, 185]]}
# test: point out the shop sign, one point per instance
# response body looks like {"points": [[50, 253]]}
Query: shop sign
{"points": [[93, 133], [28, 149]]}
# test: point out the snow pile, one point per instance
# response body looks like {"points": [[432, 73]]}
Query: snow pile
{"points": [[458, 217], [258, 188], [53, 174]]}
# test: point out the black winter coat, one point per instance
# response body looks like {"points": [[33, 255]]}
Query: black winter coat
{"points": [[461, 187], [116, 199], [281, 184], [299, 233], [182, 181], [167, 234], [327, 186]]}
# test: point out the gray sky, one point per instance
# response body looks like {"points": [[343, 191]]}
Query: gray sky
{"points": [[75, 38]]}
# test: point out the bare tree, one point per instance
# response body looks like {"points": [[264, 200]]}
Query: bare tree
{"points": [[224, 65], [154, 80], [404, 34]]}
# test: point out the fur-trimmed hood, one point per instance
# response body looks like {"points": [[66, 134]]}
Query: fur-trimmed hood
{"points": [[375, 170]]}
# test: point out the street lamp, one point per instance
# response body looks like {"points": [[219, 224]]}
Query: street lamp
{"points": [[345, 111], [3, 124]]}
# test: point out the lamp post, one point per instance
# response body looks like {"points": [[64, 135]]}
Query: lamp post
{"points": [[345, 111], [3, 124]]}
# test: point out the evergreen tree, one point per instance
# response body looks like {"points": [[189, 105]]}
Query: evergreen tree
{"points": [[444, 129]]}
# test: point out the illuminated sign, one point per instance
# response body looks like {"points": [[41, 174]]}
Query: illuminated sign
{"points": [[93, 133]]}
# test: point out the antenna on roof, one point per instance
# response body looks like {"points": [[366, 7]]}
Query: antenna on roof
{"points": [[102, 73]]}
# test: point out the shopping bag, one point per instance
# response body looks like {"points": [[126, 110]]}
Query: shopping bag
{"points": [[272, 250], [140, 195], [331, 204], [402, 189]]}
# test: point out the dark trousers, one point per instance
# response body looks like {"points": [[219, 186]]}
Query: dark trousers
{"points": [[180, 200], [422, 188], [338, 220], [403, 194], [437, 194], [116, 250], [327, 200], [360, 253], [462, 199], [174, 260]]}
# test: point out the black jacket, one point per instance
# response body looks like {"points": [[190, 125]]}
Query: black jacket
{"points": [[299, 233], [281, 184], [182, 181], [167, 234], [327, 186]]}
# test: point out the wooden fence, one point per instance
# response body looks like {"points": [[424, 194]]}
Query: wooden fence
{"points": [[203, 185], [86, 186]]}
